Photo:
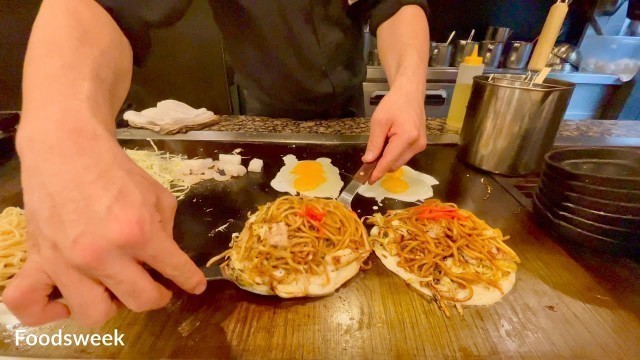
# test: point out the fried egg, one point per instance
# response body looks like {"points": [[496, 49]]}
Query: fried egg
{"points": [[404, 184], [314, 178]]}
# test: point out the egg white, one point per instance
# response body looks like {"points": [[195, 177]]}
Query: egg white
{"points": [[283, 182], [420, 187]]}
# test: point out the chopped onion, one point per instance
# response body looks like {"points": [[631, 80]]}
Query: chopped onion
{"points": [[255, 165]]}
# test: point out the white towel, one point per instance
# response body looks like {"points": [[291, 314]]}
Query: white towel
{"points": [[170, 117]]}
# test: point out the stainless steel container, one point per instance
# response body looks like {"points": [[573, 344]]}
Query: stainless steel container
{"points": [[510, 123], [432, 47], [491, 53], [564, 68], [518, 55], [568, 53], [374, 58], [442, 55], [464, 48]]}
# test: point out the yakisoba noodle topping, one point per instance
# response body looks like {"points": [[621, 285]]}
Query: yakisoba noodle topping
{"points": [[445, 252], [13, 246], [296, 246]]}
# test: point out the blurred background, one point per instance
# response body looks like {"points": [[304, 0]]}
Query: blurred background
{"points": [[187, 61]]}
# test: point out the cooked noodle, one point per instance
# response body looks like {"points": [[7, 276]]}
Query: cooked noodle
{"points": [[292, 240], [448, 248], [13, 247]]}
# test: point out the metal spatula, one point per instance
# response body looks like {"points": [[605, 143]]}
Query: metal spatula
{"points": [[360, 178], [213, 272]]}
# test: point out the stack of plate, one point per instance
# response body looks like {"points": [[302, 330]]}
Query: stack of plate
{"points": [[591, 196]]}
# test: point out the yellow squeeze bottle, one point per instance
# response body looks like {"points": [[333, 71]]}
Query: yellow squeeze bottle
{"points": [[470, 67]]}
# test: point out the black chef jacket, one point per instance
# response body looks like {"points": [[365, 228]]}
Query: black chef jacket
{"points": [[295, 58]]}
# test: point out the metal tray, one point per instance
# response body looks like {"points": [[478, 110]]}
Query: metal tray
{"points": [[598, 192], [596, 216], [580, 237], [609, 232], [590, 203], [604, 167]]}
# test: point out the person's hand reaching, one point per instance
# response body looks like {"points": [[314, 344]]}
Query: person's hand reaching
{"points": [[94, 218], [399, 123]]}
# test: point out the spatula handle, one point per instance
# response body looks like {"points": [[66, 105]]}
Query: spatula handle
{"points": [[364, 173]]}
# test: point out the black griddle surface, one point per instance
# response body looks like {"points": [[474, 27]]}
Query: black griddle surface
{"points": [[211, 204]]}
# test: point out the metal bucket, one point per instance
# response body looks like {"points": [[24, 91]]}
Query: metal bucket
{"points": [[511, 123]]}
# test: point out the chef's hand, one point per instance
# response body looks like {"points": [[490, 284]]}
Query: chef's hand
{"points": [[398, 122], [94, 217]]}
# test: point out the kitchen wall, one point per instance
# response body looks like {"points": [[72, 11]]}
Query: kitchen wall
{"points": [[611, 24], [526, 18], [16, 17], [186, 62], [626, 104]]}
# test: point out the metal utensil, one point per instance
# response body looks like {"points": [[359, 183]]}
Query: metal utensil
{"points": [[554, 60], [453, 33], [499, 34], [213, 272], [360, 178], [473, 32], [542, 75], [568, 53]]}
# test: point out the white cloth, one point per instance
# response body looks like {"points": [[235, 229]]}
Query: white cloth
{"points": [[169, 116]]}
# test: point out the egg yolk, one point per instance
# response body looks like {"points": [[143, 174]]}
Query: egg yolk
{"points": [[393, 182], [310, 175]]}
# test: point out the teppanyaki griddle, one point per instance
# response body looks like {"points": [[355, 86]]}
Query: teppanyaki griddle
{"points": [[223, 206], [584, 299]]}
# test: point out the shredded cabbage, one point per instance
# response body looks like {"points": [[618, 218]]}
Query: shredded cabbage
{"points": [[174, 172], [163, 168]]}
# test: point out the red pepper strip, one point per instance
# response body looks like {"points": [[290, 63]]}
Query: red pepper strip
{"points": [[313, 215], [437, 216], [437, 209], [440, 213]]}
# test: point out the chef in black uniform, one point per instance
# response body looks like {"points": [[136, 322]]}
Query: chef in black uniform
{"points": [[94, 216]]}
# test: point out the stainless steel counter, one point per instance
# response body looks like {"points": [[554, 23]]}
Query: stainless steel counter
{"points": [[591, 95], [449, 74]]}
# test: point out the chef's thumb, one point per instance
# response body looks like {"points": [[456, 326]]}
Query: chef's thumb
{"points": [[377, 139]]}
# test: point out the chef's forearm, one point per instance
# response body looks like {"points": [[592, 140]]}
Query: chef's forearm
{"points": [[77, 70], [403, 46]]}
